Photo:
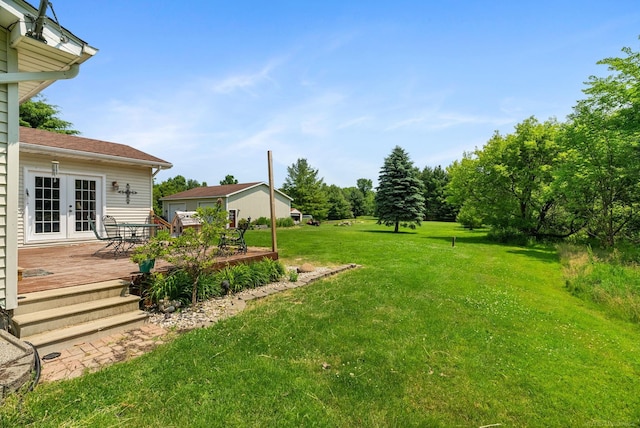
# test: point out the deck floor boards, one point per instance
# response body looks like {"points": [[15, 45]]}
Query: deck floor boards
{"points": [[70, 265]]}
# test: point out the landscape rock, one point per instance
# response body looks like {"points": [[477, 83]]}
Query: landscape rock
{"points": [[306, 268], [210, 311]]}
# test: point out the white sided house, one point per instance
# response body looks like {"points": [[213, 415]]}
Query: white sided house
{"points": [[66, 180], [34, 53], [239, 200]]}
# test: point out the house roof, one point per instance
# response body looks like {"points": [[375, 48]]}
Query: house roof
{"points": [[208, 192], [38, 141]]}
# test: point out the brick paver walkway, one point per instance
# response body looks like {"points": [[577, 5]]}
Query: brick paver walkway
{"points": [[90, 356]]}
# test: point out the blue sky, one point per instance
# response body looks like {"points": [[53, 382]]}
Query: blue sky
{"points": [[211, 86]]}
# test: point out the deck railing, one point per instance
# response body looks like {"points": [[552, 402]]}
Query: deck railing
{"points": [[162, 223]]}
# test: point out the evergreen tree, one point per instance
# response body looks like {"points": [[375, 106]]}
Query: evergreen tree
{"points": [[306, 189], [399, 196], [436, 206]]}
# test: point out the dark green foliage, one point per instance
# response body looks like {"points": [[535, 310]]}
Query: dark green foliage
{"points": [[285, 222], [41, 115], [399, 196], [243, 276], [228, 179], [339, 207], [307, 189], [171, 186], [548, 180], [175, 285], [435, 182], [262, 221], [178, 284], [361, 198]]}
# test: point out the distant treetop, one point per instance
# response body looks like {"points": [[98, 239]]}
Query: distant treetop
{"points": [[41, 115]]}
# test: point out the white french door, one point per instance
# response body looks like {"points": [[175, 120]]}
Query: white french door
{"points": [[60, 208]]}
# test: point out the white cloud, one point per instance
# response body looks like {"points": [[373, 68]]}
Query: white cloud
{"points": [[245, 82]]}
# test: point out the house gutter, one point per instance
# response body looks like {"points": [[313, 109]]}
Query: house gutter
{"points": [[38, 149], [36, 76]]}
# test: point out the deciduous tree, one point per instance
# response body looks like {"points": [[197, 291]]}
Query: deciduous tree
{"points": [[41, 115], [171, 186], [228, 179], [507, 183], [602, 173], [339, 207]]}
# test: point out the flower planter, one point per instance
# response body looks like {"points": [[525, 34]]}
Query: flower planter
{"points": [[146, 265]]}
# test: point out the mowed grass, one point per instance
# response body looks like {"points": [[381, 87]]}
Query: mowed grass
{"points": [[423, 334]]}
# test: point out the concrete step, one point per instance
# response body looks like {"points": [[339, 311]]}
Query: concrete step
{"points": [[33, 323], [50, 299], [63, 338]]}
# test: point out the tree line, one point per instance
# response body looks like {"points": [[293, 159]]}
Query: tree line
{"points": [[560, 179], [545, 179]]}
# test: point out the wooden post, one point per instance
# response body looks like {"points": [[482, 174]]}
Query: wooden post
{"points": [[274, 240]]}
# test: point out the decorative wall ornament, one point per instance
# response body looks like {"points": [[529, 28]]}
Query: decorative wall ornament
{"points": [[128, 192]]}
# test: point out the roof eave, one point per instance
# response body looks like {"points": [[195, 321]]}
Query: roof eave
{"points": [[38, 149]]}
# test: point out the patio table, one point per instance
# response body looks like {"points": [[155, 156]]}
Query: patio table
{"points": [[136, 233]]}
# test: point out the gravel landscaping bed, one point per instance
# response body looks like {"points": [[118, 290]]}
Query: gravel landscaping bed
{"points": [[205, 313]]}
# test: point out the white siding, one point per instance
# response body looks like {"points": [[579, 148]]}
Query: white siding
{"points": [[114, 203], [9, 158], [4, 99]]}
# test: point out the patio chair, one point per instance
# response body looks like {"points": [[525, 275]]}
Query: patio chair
{"points": [[115, 241], [234, 243]]}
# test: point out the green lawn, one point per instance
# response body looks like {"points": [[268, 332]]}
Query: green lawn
{"points": [[424, 334]]}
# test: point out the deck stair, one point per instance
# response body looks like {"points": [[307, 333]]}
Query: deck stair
{"points": [[53, 320]]}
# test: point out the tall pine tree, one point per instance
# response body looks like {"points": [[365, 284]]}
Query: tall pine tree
{"points": [[306, 189], [399, 196]]}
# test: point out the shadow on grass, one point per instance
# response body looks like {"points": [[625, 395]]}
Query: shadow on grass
{"points": [[547, 256], [477, 239], [401, 232]]}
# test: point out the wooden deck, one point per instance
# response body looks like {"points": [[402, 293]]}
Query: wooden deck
{"points": [[52, 267]]}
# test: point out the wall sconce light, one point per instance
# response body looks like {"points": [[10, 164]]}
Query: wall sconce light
{"points": [[55, 168], [115, 186]]}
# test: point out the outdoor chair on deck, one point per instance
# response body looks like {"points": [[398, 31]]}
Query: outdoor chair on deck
{"points": [[113, 242], [233, 243]]}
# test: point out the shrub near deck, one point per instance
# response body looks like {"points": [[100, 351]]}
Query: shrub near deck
{"points": [[424, 334]]}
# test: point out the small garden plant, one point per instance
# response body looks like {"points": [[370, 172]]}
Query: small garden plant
{"points": [[194, 250], [178, 284]]}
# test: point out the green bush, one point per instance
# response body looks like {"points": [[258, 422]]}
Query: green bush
{"points": [[178, 284], [262, 221], [285, 222], [243, 276]]}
